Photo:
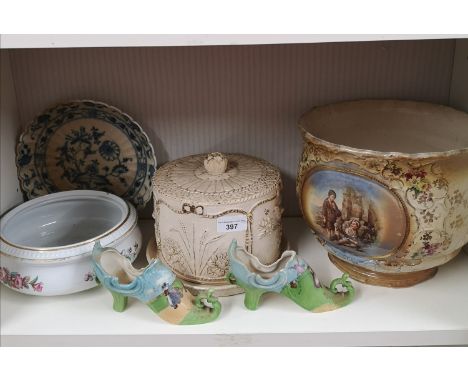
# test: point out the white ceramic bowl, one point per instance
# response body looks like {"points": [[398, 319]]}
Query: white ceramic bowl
{"points": [[46, 243]]}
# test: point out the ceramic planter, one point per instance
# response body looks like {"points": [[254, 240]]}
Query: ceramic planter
{"points": [[46, 243], [202, 202], [384, 185]]}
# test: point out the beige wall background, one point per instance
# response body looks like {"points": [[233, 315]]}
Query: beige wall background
{"points": [[10, 194], [231, 98]]}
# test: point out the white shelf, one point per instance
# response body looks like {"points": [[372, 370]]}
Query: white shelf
{"points": [[432, 313], [11, 41]]}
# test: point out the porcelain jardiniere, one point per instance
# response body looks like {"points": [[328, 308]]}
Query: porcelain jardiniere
{"points": [[384, 185]]}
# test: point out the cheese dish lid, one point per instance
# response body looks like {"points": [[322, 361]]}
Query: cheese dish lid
{"points": [[216, 178]]}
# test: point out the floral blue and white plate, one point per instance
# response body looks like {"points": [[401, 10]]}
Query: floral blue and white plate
{"points": [[86, 145]]}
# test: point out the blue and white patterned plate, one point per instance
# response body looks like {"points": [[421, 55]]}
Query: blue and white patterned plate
{"points": [[86, 145]]}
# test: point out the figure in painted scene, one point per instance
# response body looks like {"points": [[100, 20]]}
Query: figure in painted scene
{"points": [[349, 233], [355, 225], [330, 213]]}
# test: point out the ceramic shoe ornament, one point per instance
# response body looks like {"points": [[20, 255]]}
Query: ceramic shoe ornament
{"points": [[154, 285], [289, 276]]}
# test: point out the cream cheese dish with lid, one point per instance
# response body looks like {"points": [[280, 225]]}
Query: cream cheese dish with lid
{"points": [[203, 201]]}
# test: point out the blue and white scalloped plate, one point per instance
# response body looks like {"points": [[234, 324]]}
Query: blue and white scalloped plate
{"points": [[86, 145]]}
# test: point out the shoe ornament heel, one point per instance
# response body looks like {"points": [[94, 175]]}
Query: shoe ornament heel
{"points": [[289, 276], [155, 286]]}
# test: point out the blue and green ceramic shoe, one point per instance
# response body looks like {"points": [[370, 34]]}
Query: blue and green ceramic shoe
{"points": [[155, 285], [289, 276]]}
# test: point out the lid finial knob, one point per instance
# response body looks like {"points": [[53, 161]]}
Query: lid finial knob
{"points": [[215, 163]]}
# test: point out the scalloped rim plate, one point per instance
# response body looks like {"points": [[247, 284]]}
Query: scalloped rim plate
{"points": [[85, 145]]}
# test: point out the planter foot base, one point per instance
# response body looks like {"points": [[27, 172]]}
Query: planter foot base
{"points": [[391, 280]]}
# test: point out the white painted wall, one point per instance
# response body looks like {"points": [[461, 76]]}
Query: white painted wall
{"points": [[9, 122]]}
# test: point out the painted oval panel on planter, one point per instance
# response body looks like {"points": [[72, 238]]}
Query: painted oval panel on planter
{"points": [[353, 214]]}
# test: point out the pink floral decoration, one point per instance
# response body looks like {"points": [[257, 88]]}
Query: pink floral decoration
{"points": [[15, 281]]}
